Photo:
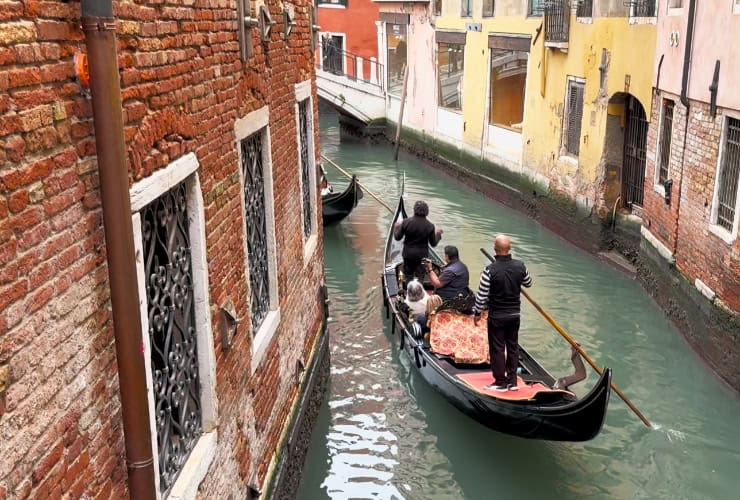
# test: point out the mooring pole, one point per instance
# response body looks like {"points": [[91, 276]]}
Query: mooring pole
{"points": [[400, 111]]}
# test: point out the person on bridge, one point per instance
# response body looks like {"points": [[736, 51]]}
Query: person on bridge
{"points": [[453, 278], [417, 234], [499, 291]]}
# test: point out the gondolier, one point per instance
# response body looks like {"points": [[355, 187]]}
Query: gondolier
{"points": [[499, 292], [418, 235]]}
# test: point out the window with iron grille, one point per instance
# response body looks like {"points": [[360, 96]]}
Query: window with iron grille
{"points": [[643, 8], [252, 166], [573, 117], [466, 8], [488, 6], [728, 177], [536, 8], [437, 7], [666, 130], [585, 8], [172, 330], [304, 139]]}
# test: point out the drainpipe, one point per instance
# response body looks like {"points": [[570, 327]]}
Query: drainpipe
{"points": [[100, 37], [685, 102]]}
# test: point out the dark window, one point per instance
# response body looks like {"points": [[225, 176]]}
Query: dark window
{"points": [[256, 215], [508, 82], [585, 8], [488, 6], [729, 174], [450, 70], [536, 7], [303, 122], [665, 140], [574, 117], [172, 331], [466, 8], [557, 21], [437, 7], [396, 44], [643, 8]]}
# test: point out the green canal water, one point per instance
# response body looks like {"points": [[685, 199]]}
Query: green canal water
{"points": [[384, 433]]}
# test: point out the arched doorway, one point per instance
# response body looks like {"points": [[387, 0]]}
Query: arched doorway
{"points": [[625, 152]]}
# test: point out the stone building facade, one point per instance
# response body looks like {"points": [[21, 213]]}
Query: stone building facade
{"points": [[221, 153]]}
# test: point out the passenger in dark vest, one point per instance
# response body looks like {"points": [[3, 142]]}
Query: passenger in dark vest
{"points": [[417, 234], [453, 278]]}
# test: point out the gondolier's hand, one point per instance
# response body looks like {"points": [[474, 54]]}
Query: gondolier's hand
{"points": [[440, 231], [397, 225]]}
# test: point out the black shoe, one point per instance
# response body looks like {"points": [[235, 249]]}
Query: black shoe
{"points": [[496, 387]]}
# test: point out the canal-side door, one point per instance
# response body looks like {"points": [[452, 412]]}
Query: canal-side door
{"points": [[635, 153]]}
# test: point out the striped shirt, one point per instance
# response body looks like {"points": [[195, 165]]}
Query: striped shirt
{"points": [[500, 286]]}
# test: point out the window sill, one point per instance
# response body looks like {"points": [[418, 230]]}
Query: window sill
{"points": [[643, 20], [309, 247], [659, 188], [450, 110], [723, 233], [331, 6], [261, 341], [569, 159], [557, 45], [585, 20], [195, 469], [678, 11]]}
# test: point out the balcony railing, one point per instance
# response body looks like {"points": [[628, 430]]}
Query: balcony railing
{"points": [[642, 8], [557, 21], [342, 63]]}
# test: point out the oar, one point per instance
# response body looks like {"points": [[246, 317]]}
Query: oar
{"points": [[358, 182], [580, 350]]}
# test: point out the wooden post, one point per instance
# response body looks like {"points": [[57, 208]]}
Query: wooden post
{"points": [[400, 111]]}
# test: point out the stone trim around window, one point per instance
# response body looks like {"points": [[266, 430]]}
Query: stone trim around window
{"points": [[142, 193], [303, 93], [258, 121], [728, 237]]}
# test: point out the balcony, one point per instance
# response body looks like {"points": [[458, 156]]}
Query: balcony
{"points": [[557, 23]]}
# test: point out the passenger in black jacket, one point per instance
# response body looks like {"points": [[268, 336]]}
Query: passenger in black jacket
{"points": [[418, 233], [499, 291]]}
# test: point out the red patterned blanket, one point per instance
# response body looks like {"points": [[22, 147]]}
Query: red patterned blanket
{"points": [[454, 334]]}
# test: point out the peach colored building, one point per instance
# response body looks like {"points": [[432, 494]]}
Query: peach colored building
{"points": [[692, 204]]}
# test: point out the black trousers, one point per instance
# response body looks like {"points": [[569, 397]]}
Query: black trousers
{"points": [[504, 333], [412, 268]]}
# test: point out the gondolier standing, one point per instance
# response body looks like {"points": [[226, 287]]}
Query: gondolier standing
{"points": [[419, 234], [499, 292]]}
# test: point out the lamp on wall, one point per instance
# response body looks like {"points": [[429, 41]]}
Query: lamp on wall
{"points": [[288, 19], [227, 323], [265, 22]]}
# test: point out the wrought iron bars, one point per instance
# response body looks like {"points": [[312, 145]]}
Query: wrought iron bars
{"points": [[665, 140], [585, 8], [635, 153], [729, 176], [642, 8], [557, 21], [254, 205], [174, 355], [303, 121]]}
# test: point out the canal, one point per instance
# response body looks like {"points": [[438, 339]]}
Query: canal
{"points": [[383, 433]]}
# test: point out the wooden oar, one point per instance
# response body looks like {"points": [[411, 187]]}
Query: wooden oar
{"points": [[365, 189], [580, 350]]}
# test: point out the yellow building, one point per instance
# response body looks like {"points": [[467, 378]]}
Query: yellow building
{"points": [[558, 91]]}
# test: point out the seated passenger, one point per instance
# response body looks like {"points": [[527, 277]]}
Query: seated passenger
{"points": [[416, 299], [453, 279]]}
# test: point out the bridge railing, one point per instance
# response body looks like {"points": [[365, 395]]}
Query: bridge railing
{"points": [[352, 66]]}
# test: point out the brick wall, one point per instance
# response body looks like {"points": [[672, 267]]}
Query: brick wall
{"points": [[684, 225], [183, 86]]}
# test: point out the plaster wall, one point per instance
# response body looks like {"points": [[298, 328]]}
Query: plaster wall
{"points": [[356, 21]]}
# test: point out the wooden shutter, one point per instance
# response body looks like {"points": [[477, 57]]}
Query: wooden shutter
{"points": [[575, 116]]}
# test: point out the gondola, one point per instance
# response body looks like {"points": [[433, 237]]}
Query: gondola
{"points": [[337, 206], [541, 409]]}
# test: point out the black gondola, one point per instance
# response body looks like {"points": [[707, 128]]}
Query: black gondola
{"points": [[553, 414], [337, 206]]}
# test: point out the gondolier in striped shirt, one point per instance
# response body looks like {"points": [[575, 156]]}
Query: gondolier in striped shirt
{"points": [[499, 292]]}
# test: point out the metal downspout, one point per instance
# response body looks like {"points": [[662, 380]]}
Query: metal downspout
{"points": [[99, 26], [685, 102]]}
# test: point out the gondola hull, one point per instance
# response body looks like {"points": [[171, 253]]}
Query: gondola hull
{"points": [[337, 206], [558, 416]]}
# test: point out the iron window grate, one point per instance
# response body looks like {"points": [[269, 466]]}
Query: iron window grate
{"points": [[172, 333], [665, 140], [585, 8], [303, 120], [728, 176], [256, 214]]}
